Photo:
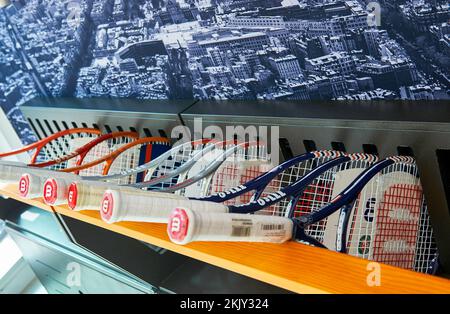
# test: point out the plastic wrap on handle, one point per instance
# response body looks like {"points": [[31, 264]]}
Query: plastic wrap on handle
{"points": [[187, 225], [88, 195], [31, 183], [11, 172], [146, 206], [12, 163]]}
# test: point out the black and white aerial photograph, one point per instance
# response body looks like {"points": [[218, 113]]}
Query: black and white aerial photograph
{"points": [[222, 49]]}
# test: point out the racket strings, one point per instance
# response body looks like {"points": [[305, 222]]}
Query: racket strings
{"points": [[128, 159], [178, 158], [288, 177], [390, 221], [103, 149], [228, 173], [320, 193], [63, 146], [238, 169], [426, 248], [314, 197]]}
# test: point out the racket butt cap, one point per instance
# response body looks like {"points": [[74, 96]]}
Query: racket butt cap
{"points": [[55, 191], [109, 209], [72, 196], [30, 186], [24, 185], [178, 228]]}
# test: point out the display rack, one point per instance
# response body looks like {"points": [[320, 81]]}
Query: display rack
{"points": [[292, 266], [385, 128]]}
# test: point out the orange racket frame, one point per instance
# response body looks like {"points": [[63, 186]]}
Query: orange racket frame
{"points": [[39, 145]]}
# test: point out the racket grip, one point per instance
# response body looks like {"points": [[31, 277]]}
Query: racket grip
{"points": [[30, 185], [147, 206], [11, 173], [55, 188], [88, 195], [186, 226]]}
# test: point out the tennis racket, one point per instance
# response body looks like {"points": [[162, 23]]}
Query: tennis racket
{"points": [[130, 155], [89, 196], [165, 179], [86, 192], [384, 218], [270, 205], [31, 179], [197, 181], [54, 146], [381, 217], [141, 206], [123, 202], [163, 172], [48, 152]]}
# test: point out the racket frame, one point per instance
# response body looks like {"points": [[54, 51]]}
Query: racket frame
{"points": [[39, 145]]}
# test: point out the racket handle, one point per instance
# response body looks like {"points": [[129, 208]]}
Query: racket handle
{"points": [[147, 206], [30, 185], [188, 226], [56, 187], [11, 172], [88, 195]]}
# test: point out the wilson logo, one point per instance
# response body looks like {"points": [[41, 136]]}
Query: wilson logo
{"points": [[23, 186], [48, 192], [72, 196], [268, 199], [339, 231], [231, 191], [176, 223], [105, 205]]}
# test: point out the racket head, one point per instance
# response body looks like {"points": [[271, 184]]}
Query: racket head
{"points": [[136, 154], [93, 161], [322, 191], [83, 148], [242, 166], [389, 222], [181, 156], [172, 169], [313, 195], [87, 194], [53, 146], [211, 167], [56, 153], [382, 216]]}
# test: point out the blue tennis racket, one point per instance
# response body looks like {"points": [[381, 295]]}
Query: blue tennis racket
{"points": [[149, 206], [269, 203], [379, 215]]}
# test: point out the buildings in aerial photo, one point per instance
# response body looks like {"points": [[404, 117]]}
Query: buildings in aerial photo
{"points": [[222, 49]]}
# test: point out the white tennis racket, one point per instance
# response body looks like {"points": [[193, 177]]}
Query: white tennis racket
{"points": [[161, 173], [118, 205], [138, 206], [86, 193]]}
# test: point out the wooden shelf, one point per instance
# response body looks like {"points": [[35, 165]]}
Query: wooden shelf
{"points": [[292, 266]]}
